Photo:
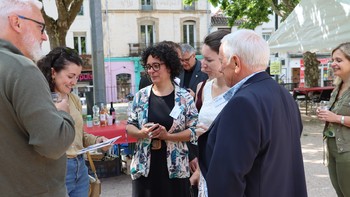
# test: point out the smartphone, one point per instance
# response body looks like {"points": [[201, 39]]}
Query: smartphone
{"points": [[149, 125]]}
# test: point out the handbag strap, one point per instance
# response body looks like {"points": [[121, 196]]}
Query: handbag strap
{"points": [[92, 165]]}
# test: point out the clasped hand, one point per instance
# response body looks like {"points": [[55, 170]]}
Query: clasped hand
{"points": [[152, 130]]}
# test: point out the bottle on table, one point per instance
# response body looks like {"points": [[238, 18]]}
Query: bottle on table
{"points": [[96, 115], [103, 115], [83, 108], [89, 121], [112, 112]]}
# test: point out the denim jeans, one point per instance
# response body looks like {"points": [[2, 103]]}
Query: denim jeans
{"points": [[77, 179]]}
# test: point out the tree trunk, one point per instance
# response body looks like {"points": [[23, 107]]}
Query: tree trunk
{"points": [[57, 28], [57, 36], [312, 73]]}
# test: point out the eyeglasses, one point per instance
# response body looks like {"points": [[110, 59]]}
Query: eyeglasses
{"points": [[154, 66], [187, 60], [35, 21]]}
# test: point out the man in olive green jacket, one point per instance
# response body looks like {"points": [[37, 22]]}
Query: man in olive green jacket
{"points": [[34, 133]]}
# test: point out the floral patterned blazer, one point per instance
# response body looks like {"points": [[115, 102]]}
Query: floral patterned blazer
{"points": [[177, 152]]}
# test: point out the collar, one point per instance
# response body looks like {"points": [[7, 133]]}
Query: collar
{"points": [[6, 45], [232, 91]]}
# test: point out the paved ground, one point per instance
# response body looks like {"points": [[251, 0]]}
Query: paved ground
{"points": [[317, 178], [318, 183]]}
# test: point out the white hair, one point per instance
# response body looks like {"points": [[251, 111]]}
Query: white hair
{"points": [[251, 48], [8, 7]]}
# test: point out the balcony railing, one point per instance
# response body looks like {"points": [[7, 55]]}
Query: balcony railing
{"points": [[147, 7], [135, 49], [189, 7]]}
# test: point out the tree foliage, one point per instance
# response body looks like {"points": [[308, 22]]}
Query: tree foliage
{"points": [[252, 12], [57, 29]]}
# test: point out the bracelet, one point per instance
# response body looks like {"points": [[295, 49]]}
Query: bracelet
{"points": [[342, 120]]}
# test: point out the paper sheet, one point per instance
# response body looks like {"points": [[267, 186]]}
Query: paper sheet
{"points": [[99, 145]]}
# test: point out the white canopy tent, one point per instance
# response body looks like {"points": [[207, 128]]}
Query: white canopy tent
{"points": [[314, 25]]}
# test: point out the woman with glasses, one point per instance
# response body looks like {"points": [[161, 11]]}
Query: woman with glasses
{"points": [[145, 79], [163, 118], [61, 68]]}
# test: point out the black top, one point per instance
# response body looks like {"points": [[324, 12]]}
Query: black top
{"points": [[161, 107]]}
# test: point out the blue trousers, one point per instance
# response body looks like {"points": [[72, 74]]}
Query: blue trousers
{"points": [[77, 179]]}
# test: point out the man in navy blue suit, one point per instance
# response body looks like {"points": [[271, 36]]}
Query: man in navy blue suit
{"points": [[253, 147]]}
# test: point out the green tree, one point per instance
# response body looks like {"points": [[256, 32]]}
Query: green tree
{"points": [[57, 29], [252, 12]]}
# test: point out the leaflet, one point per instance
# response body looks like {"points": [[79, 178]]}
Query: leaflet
{"points": [[99, 145]]}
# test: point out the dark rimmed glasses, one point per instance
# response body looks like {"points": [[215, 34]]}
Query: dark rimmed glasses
{"points": [[35, 21], [154, 66]]}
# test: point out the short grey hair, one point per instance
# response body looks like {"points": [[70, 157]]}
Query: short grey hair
{"points": [[250, 47], [186, 48], [8, 7]]}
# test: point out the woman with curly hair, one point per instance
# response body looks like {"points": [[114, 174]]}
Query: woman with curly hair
{"points": [[163, 119], [61, 68]]}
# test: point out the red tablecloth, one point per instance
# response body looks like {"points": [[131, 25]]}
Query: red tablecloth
{"points": [[111, 132], [313, 89], [324, 93]]}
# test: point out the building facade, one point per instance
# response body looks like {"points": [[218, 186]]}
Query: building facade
{"points": [[129, 26]]}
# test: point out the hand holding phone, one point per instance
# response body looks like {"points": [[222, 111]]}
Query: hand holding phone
{"points": [[151, 127]]}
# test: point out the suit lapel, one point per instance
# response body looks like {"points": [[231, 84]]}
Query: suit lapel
{"points": [[181, 77], [195, 76]]}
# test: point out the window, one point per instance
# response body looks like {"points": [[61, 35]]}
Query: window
{"points": [[146, 5], [190, 7], [123, 85], [266, 36], [147, 34], [81, 12], [189, 33], [80, 43]]}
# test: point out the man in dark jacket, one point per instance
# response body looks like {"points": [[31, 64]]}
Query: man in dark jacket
{"points": [[189, 79], [253, 147], [192, 74]]}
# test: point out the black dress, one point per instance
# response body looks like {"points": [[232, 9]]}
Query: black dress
{"points": [[158, 183]]}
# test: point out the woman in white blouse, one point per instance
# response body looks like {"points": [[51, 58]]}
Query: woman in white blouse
{"points": [[212, 93]]}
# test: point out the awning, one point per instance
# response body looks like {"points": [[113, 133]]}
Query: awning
{"points": [[314, 25]]}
